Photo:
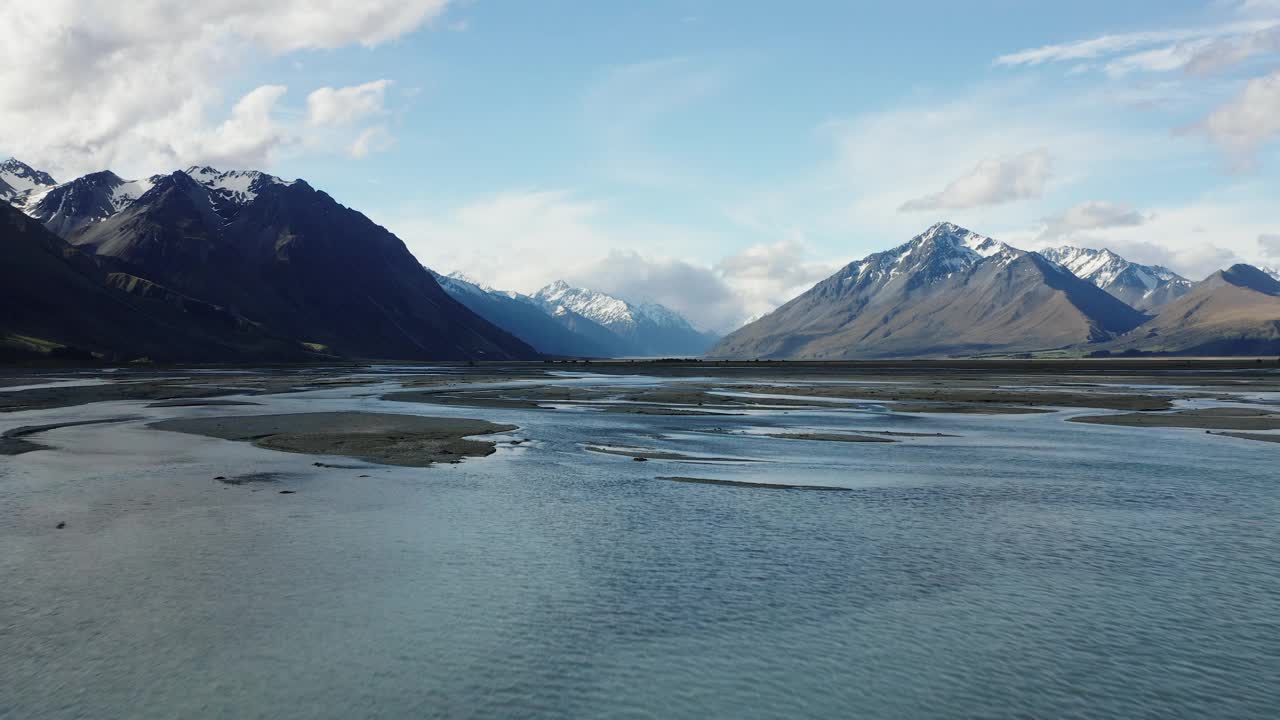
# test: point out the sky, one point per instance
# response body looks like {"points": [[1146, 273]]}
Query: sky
{"points": [[718, 157]]}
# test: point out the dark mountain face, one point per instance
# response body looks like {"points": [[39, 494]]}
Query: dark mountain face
{"points": [[291, 258], [1248, 277], [948, 291], [67, 208], [53, 296]]}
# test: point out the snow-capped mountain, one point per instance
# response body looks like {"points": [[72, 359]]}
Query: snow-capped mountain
{"points": [[17, 178], [280, 253], [567, 334], [946, 291], [234, 188], [617, 315], [69, 207], [1143, 286], [1271, 270], [649, 329], [939, 252]]}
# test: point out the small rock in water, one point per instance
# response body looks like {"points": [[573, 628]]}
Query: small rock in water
{"points": [[287, 492], [62, 524], [641, 459], [220, 477]]}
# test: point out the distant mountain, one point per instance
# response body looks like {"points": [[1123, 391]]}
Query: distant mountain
{"points": [[17, 178], [1141, 286], [1232, 312], [948, 291], [1272, 271], [55, 299], [71, 206], [646, 329], [525, 318], [278, 252]]}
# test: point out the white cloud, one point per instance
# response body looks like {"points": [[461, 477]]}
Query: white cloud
{"points": [[371, 140], [1088, 216], [1123, 43], [522, 240], [1245, 123], [514, 240], [1194, 239], [249, 135], [1224, 52], [141, 85], [344, 106], [992, 182], [766, 275], [722, 296], [1269, 245], [694, 290]]}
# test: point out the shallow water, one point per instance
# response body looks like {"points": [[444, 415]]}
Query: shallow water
{"points": [[1028, 568]]}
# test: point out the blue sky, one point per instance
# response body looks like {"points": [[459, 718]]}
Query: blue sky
{"points": [[715, 156]]}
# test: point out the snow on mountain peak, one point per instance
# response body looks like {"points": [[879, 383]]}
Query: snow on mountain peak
{"points": [[237, 186], [17, 178], [604, 309], [943, 249], [460, 279], [614, 313], [1139, 285]]}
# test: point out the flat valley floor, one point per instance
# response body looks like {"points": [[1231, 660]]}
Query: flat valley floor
{"points": [[913, 539]]}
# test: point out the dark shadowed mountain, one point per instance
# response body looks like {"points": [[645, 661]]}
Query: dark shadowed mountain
{"points": [[1141, 286], [644, 329], [67, 208], [523, 317], [948, 291], [1232, 312], [53, 298], [281, 253]]}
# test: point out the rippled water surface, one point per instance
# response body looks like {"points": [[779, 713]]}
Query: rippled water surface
{"points": [[1027, 568]]}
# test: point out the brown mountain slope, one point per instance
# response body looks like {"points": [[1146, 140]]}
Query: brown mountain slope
{"points": [[1232, 312], [947, 292]]}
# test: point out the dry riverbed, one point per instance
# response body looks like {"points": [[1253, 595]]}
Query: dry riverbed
{"points": [[410, 440]]}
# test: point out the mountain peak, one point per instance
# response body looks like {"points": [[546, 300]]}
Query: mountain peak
{"points": [[1142, 286], [960, 237], [612, 312], [17, 177], [1248, 276]]}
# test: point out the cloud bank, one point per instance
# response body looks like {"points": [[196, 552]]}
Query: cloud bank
{"points": [[992, 182], [141, 85]]}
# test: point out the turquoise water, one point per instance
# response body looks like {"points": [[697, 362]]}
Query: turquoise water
{"points": [[1028, 568]]}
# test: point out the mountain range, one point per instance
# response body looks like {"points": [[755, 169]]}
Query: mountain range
{"points": [[952, 292], [1140, 286], [280, 254], [1232, 312], [205, 265], [561, 319]]}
